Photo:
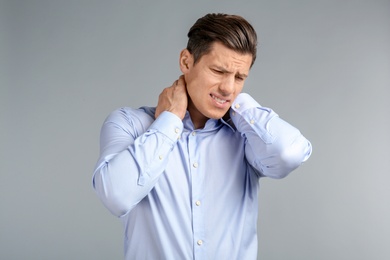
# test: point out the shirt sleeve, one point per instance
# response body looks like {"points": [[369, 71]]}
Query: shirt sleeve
{"points": [[273, 147], [131, 158]]}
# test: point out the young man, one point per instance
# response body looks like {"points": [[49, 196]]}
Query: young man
{"points": [[184, 176]]}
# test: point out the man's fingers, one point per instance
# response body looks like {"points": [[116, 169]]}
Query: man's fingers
{"points": [[173, 99], [180, 81]]}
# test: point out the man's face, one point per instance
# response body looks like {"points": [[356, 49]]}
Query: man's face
{"points": [[214, 81]]}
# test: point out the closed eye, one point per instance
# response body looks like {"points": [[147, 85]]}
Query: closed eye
{"points": [[217, 71]]}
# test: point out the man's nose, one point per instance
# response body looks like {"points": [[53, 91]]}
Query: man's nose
{"points": [[227, 86]]}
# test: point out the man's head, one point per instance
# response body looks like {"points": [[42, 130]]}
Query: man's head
{"points": [[233, 31], [220, 52]]}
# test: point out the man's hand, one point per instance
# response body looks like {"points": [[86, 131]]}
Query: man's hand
{"points": [[173, 99]]}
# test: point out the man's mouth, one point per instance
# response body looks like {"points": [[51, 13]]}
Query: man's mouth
{"points": [[219, 100]]}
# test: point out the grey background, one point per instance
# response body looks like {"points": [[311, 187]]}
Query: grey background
{"points": [[323, 65]]}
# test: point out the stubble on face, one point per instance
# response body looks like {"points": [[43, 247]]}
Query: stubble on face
{"points": [[214, 82]]}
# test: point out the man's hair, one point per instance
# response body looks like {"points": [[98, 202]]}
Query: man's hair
{"points": [[232, 31]]}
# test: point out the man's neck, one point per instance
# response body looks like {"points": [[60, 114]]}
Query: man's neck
{"points": [[197, 118]]}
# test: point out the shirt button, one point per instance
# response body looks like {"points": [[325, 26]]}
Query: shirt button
{"points": [[252, 122], [160, 157], [197, 203], [193, 134], [177, 130], [200, 242], [237, 106], [195, 165]]}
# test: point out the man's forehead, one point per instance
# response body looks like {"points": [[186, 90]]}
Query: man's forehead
{"points": [[233, 65]]}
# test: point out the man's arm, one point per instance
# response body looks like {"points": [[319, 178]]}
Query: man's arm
{"points": [[273, 146], [133, 155]]}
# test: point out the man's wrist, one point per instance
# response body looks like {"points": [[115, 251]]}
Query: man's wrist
{"points": [[169, 124]]}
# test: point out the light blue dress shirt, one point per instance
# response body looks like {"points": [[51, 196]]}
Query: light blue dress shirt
{"points": [[185, 193]]}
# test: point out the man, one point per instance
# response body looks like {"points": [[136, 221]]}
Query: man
{"points": [[184, 176]]}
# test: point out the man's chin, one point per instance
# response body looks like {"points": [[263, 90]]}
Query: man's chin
{"points": [[219, 115]]}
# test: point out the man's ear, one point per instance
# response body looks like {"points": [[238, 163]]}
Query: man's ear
{"points": [[185, 61]]}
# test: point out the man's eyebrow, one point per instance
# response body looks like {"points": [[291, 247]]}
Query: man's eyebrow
{"points": [[242, 75], [224, 70]]}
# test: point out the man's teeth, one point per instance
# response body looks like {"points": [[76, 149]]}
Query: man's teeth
{"points": [[218, 99]]}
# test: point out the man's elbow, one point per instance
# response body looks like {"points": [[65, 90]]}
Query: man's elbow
{"points": [[289, 158], [110, 198], [296, 154]]}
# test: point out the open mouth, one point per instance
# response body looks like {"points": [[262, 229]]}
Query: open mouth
{"points": [[219, 100]]}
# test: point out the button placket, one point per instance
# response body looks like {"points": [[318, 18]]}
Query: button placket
{"points": [[197, 192]]}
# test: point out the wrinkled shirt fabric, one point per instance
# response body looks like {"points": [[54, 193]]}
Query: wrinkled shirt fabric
{"points": [[185, 193]]}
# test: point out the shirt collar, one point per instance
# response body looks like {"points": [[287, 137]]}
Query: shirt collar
{"points": [[211, 124]]}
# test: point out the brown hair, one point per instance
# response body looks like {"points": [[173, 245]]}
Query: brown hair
{"points": [[233, 31]]}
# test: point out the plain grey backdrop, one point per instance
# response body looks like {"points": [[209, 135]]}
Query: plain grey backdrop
{"points": [[323, 65]]}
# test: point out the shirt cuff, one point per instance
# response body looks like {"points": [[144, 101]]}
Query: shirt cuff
{"points": [[168, 124], [244, 102], [249, 116]]}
